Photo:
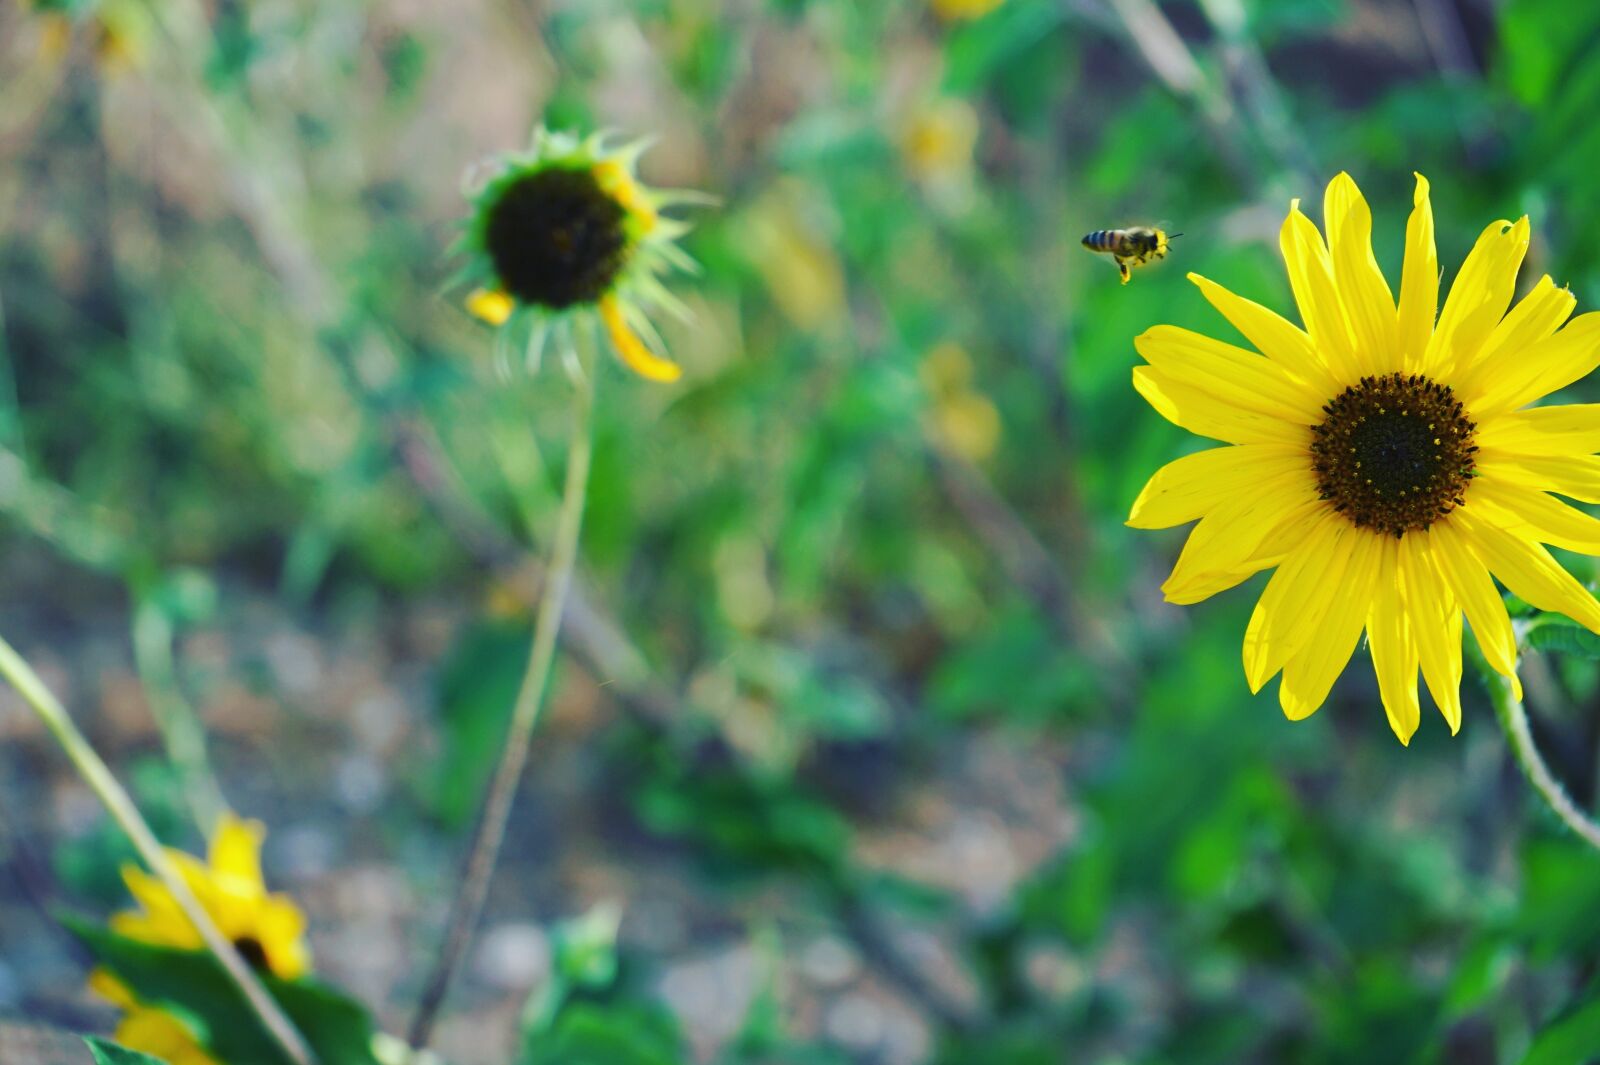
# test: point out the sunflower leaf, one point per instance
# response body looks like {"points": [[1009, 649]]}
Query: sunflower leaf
{"points": [[108, 1053], [193, 985], [1569, 1039], [1554, 632]]}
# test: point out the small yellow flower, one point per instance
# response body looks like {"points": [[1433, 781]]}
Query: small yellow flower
{"points": [[148, 1029], [120, 30], [1385, 463], [268, 931], [959, 417], [952, 10], [565, 236], [938, 140]]}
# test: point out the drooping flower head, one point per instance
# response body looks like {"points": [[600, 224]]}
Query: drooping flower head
{"points": [[563, 237], [1387, 463], [268, 930]]}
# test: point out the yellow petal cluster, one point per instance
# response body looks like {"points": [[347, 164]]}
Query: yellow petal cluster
{"points": [[1257, 499]]}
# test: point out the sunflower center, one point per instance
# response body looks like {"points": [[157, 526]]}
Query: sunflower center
{"points": [[556, 238], [1395, 453], [251, 950]]}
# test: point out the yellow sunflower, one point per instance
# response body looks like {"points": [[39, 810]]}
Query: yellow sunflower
{"points": [[268, 931], [565, 237], [1386, 463]]}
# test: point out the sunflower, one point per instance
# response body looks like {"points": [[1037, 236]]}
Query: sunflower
{"points": [[564, 236], [1388, 464], [267, 930]]}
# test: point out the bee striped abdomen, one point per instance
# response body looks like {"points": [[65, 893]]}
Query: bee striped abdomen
{"points": [[1102, 239]]}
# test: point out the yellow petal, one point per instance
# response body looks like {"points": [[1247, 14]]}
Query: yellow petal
{"points": [[1465, 573], [1529, 570], [1273, 335], [1530, 514], [1538, 370], [162, 933], [1565, 429], [161, 1035], [490, 305], [280, 929], [236, 851], [1311, 276], [1309, 674], [1237, 377], [1535, 318], [638, 358], [1436, 624], [1205, 415], [1297, 598], [105, 984], [1240, 538], [1367, 300], [1394, 650], [1190, 487], [1574, 476], [1478, 297], [1419, 283]]}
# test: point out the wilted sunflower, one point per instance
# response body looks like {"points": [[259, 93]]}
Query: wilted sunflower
{"points": [[267, 930], [1386, 464], [564, 236]]}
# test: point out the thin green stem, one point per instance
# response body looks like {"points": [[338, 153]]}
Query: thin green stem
{"points": [[1513, 718], [117, 801], [467, 906], [180, 729]]}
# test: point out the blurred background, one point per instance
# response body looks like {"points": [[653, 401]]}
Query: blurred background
{"points": [[870, 718]]}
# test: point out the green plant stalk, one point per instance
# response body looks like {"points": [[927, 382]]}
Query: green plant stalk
{"points": [[98, 776], [1513, 718], [484, 853], [180, 730]]}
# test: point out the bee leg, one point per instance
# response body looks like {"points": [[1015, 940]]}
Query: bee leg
{"points": [[1122, 267]]}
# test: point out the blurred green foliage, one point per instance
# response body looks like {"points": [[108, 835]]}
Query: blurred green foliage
{"points": [[229, 360]]}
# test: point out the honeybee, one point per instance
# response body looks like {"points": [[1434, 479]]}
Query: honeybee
{"points": [[1130, 247]]}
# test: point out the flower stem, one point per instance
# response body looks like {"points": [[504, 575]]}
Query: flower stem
{"points": [[117, 801], [467, 906], [1513, 717], [181, 733]]}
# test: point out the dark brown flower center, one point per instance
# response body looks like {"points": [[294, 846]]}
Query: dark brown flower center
{"points": [[556, 238], [251, 950], [1395, 453]]}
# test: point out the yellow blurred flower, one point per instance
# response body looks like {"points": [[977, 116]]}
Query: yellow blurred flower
{"points": [[938, 140], [564, 236], [147, 1029], [785, 243], [959, 417], [951, 10], [120, 30], [268, 931]]}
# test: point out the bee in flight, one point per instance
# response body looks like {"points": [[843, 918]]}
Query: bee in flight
{"points": [[1130, 247]]}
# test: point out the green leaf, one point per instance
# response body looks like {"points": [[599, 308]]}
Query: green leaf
{"points": [[978, 51], [1554, 632], [592, 1034], [1569, 1040], [477, 687], [108, 1053], [194, 985]]}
